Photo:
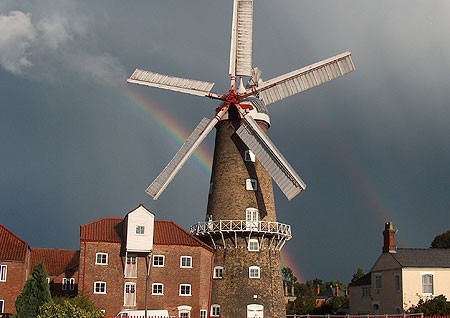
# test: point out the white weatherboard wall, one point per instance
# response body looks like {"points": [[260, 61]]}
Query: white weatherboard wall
{"points": [[136, 240], [412, 284]]}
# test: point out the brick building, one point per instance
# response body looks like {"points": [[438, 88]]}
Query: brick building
{"points": [[115, 254]]}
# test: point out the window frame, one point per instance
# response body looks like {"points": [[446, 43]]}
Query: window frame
{"points": [[187, 290], [426, 285], [99, 254], [157, 293], [215, 310], [183, 258], [132, 287], [139, 230], [3, 272], [203, 313], [249, 156], [218, 272], [251, 184], [397, 283], [101, 285], [159, 257], [254, 272], [250, 246]]}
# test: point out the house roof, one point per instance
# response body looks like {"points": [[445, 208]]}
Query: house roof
{"points": [[56, 261], [422, 257], [165, 233], [364, 280], [12, 248]]}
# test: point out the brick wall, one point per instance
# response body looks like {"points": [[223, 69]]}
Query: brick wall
{"points": [[15, 280]]}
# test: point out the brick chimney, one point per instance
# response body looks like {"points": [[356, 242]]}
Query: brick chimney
{"points": [[389, 238]]}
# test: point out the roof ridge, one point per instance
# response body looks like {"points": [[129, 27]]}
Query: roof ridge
{"points": [[16, 236], [191, 235]]}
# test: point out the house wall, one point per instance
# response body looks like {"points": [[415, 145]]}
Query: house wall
{"points": [[139, 242], [389, 299], [358, 303], [15, 280], [412, 287]]}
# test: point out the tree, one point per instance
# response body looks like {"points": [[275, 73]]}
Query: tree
{"points": [[35, 293], [288, 277], [359, 273], [437, 306], [79, 301], [66, 309], [441, 241]]}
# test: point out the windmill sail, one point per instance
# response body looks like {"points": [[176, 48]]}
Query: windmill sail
{"points": [[270, 157], [178, 84], [241, 38], [305, 78], [162, 181]]}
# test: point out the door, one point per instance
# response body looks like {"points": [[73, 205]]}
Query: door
{"points": [[130, 294], [251, 218]]}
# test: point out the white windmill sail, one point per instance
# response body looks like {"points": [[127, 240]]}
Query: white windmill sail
{"points": [[305, 78], [270, 157], [241, 38], [192, 142], [178, 84]]}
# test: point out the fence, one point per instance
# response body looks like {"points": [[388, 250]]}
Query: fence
{"points": [[368, 316]]}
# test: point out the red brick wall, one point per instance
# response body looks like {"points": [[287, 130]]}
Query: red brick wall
{"points": [[15, 280]]}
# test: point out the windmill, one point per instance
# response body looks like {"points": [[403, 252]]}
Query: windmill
{"points": [[241, 211]]}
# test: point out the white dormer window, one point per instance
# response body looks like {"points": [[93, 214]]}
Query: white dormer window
{"points": [[249, 156], [251, 185], [140, 230]]}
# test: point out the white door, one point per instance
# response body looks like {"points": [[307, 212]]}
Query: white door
{"points": [[251, 218], [255, 311], [130, 294]]}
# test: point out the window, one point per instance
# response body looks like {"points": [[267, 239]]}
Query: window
{"points": [[203, 313], [157, 289], [185, 290], [251, 185], [129, 297], [366, 291], [253, 272], [99, 287], [2, 305], [397, 285], [249, 156], [218, 272], [378, 281], [253, 245], [101, 259], [158, 260], [131, 266], [68, 284], [186, 261], [215, 310], [140, 230], [3, 270], [427, 284], [184, 314]]}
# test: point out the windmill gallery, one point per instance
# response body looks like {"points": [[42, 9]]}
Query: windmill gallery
{"points": [[241, 223]]}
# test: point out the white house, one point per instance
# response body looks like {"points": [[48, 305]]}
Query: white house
{"points": [[400, 278]]}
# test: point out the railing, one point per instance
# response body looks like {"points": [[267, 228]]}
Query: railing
{"points": [[212, 227], [419, 315]]}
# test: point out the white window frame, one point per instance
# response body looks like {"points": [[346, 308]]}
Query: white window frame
{"points": [[254, 272], [203, 313], [132, 288], [218, 272], [184, 259], [249, 156], [3, 272], [101, 261], [2, 305], [156, 285], [64, 284], [426, 285], [215, 310], [140, 230], [251, 184], [101, 285], [253, 245], [68, 283], [159, 257], [185, 290]]}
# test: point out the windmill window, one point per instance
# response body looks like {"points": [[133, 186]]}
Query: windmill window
{"points": [[218, 272], [101, 258], [215, 310], [253, 245], [3, 270], [140, 230], [158, 260], [254, 272], [251, 185], [249, 156]]}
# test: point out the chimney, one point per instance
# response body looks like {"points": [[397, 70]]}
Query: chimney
{"points": [[389, 240], [318, 289]]}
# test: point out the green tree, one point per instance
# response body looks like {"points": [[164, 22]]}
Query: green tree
{"points": [[441, 241], [359, 273], [79, 301], [35, 293], [437, 306], [66, 309]]}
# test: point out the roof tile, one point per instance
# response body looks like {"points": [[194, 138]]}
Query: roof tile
{"points": [[423, 257], [12, 248], [57, 261]]}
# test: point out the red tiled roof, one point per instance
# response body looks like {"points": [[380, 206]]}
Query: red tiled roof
{"points": [[56, 261], [12, 248], [110, 230]]}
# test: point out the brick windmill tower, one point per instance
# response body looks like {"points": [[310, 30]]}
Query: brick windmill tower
{"points": [[241, 222]]}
